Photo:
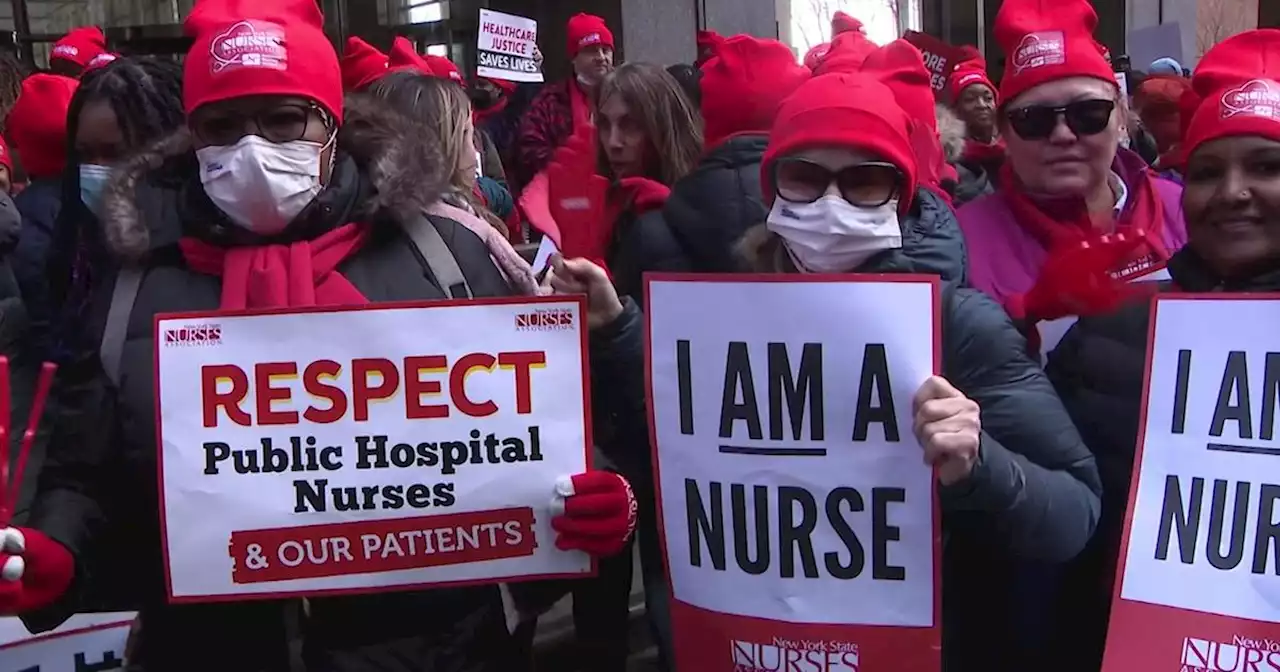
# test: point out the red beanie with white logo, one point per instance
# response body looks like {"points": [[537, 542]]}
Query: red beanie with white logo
{"points": [[744, 84], [37, 124], [362, 64], [1238, 84], [101, 61], [1047, 40], [260, 48], [966, 75], [587, 30], [445, 68], [850, 110], [843, 23], [80, 46]]}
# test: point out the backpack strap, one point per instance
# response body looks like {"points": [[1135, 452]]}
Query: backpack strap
{"points": [[424, 233], [123, 296]]}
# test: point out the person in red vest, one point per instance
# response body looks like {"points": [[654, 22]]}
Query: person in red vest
{"points": [[277, 195]]}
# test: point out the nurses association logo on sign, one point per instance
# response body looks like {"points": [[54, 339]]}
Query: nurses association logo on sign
{"points": [[798, 521], [1196, 589]]}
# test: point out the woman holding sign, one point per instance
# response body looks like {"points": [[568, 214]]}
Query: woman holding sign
{"points": [[1231, 200], [286, 200], [1015, 479]]}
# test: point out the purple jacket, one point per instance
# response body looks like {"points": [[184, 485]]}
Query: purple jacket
{"points": [[1005, 259]]}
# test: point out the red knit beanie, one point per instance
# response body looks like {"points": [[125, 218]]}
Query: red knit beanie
{"points": [[80, 46], [445, 68], [843, 23], [586, 30], [744, 84], [362, 64], [850, 110], [260, 48], [1238, 82], [708, 42], [37, 124], [813, 57], [404, 56], [967, 54], [846, 54], [900, 66], [966, 75], [1047, 40]]}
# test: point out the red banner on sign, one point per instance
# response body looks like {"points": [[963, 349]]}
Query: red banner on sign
{"points": [[939, 57]]}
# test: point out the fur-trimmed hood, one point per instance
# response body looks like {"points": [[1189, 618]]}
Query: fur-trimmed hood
{"points": [[399, 157], [951, 133]]}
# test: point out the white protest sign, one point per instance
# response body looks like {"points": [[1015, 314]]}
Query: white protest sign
{"points": [[505, 47], [368, 448], [1198, 577], [796, 507], [84, 643]]}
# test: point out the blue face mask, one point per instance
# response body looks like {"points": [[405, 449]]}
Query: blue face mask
{"points": [[93, 178]]}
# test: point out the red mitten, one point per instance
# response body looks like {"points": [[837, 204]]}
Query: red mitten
{"points": [[34, 570], [599, 513], [1078, 280], [577, 197]]}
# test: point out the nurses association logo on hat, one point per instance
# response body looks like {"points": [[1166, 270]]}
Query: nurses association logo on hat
{"points": [[590, 38], [1037, 50], [249, 44], [1258, 98], [968, 79], [65, 51], [101, 60]]}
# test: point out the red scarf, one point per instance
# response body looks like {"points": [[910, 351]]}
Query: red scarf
{"points": [[580, 104], [976, 151], [281, 276], [1067, 221]]}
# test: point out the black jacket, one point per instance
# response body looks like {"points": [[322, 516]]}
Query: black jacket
{"points": [[1098, 369], [642, 242], [102, 457], [1033, 494], [40, 203], [711, 208]]}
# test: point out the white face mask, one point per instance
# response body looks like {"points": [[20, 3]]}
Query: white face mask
{"points": [[259, 184], [831, 235]]}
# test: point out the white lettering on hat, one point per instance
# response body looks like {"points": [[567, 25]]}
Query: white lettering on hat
{"points": [[65, 51], [593, 38], [101, 59], [1257, 98], [249, 44], [1038, 50], [968, 79]]}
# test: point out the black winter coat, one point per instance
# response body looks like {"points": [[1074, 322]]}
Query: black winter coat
{"points": [[711, 208], [1034, 493], [40, 203], [1098, 369], [102, 456], [643, 242]]}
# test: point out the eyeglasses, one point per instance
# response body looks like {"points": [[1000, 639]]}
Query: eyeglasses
{"points": [[1083, 117], [866, 185], [280, 123]]}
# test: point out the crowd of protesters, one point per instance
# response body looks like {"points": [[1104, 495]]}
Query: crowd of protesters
{"points": [[1052, 205]]}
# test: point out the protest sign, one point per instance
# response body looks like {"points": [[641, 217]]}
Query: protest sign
{"points": [[505, 47], [939, 57], [1197, 588], [368, 448], [84, 643], [799, 522]]}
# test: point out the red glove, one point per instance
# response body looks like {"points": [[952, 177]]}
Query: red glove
{"points": [[34, 570], [599, 513], [1077, 280], [577, 198]]}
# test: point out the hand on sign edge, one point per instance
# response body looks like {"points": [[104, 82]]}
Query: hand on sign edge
{"points": [[594, 512], [36, 570], [948, 426]]}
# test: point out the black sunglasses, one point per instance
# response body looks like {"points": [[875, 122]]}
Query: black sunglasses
{"points": [[866, 185], [1083, 117]]}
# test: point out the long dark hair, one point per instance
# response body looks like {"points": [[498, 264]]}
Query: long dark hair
{"points": [[672, 125], [146, 95]]}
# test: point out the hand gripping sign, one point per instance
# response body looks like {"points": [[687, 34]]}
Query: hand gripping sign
{"points": [[798, 518], [1197, 587], [368, 448]]}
